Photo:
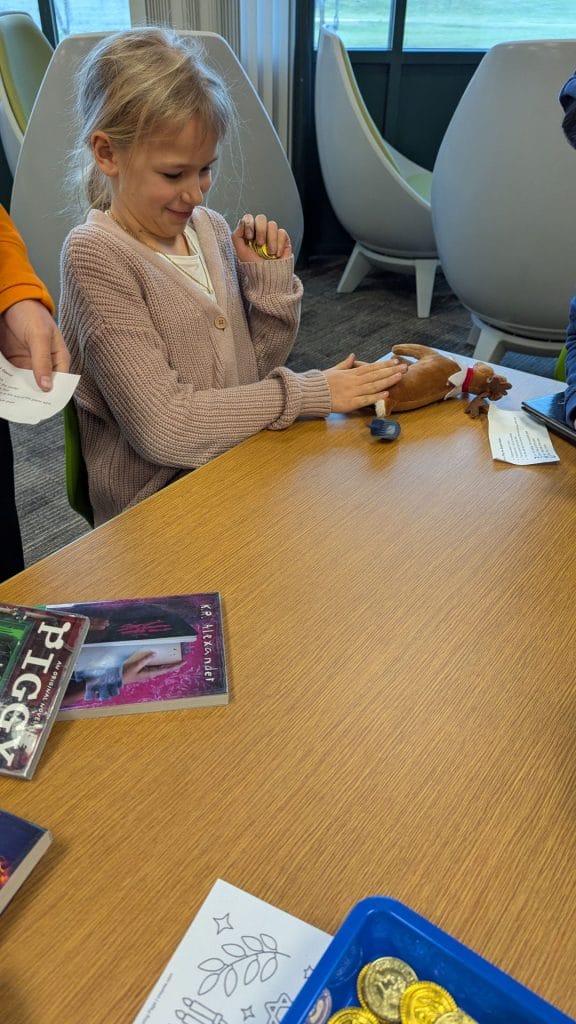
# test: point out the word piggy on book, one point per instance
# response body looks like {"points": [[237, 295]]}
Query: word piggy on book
{"points": [[38, 651]]}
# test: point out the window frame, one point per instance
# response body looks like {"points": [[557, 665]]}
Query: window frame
{"points": [[47, 14], [319, 220], [395, 56]]}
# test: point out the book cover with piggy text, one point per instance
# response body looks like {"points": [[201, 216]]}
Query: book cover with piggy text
{"points": [[38, 651]]}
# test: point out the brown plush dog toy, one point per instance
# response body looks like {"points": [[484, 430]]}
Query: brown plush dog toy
{"points": [[433, 377]]}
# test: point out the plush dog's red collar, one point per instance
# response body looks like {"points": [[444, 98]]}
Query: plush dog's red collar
{"points": [[467, 380]]}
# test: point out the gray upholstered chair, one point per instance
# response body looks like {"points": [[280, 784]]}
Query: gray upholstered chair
{"points": [[258, 179], [380, 196], [24, 56], [503, 202]]}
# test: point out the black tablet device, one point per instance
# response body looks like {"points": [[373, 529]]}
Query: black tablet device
{"points": [[550, 410]]}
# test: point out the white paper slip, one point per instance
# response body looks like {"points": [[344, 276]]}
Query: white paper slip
{"points": [[240, 960], [22, 401], [517, 438]]}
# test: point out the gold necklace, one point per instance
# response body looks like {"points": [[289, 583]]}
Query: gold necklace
{"points": [[196, 252]]}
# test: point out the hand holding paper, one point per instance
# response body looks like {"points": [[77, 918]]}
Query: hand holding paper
{"points": [[22, 401], [31, 340]]}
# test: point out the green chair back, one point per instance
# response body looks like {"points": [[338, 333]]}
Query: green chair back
{"points": [[76, 472], [24, 56], [560, 370]]}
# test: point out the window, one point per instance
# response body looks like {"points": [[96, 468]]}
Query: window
{"points": [[76, 16], [362, 24], [463, 25], [445, 24], [27, 6]]}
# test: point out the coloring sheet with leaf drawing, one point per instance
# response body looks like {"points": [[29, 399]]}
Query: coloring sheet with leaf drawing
{"points": [[240, 960]]}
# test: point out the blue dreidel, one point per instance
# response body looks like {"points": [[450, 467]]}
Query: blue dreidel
{"points": [[386, 430], [381, 426]]}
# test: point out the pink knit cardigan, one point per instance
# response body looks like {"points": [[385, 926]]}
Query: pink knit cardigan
{"points": [[171, 379]]}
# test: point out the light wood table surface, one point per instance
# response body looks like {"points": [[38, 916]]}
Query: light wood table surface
{"points": [[401, 647]]}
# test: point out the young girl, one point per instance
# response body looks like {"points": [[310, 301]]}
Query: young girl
{"points": [[178, 327]]}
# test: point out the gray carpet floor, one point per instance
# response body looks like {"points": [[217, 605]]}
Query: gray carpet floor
{"points": [[379, 314]]}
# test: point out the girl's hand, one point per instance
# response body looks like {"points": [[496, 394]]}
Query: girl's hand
{"points": [[264, 232], [354, 385]]}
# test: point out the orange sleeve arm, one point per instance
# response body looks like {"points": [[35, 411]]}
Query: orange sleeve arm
{"points": [[17, 278]]}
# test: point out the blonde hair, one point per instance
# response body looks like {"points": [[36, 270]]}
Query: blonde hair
{"points": [[133, 84]]}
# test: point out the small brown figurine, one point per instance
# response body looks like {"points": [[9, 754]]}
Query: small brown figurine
{"points": [[434, 377]]}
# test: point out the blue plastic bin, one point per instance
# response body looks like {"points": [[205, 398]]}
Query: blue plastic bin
{"points": [[380, 926]]}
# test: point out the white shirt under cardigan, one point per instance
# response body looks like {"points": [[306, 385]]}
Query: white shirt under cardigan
{"points": [[170, 378], [194, 264]]}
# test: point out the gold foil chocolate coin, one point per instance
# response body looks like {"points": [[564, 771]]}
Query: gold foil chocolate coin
{"points": [[262, 250], [353, 1015], [380, 985], [359, 984], [456, 1017], [423, 1002]]}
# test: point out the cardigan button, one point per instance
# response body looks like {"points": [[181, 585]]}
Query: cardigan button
{"points": [[221, 323]]}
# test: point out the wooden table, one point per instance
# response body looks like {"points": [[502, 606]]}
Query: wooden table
{"points": [[400, 624]]}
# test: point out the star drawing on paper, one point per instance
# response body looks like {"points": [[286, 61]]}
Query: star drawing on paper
{"points": [[222, 924], [276, 1008], [247, 1013]]}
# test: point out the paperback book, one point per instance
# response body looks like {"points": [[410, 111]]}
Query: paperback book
{"points": [[38, 651], [148, 654], [21, 845]]}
